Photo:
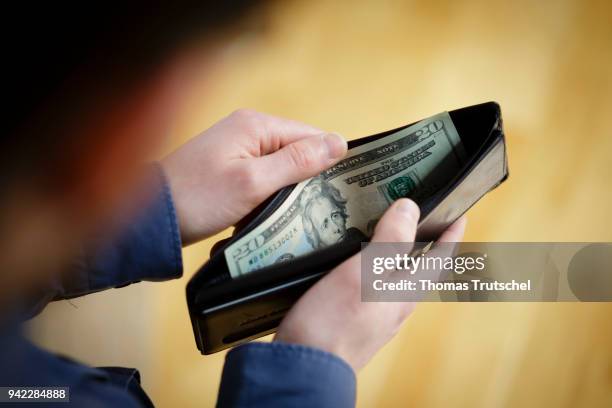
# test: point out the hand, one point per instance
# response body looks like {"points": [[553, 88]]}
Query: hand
{"points": [[330, 316], [222, 174]]}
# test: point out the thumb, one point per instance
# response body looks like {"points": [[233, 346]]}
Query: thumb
{"points": [[300, 160], [399, 223]]}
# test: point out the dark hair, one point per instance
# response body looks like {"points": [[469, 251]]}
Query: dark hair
{"points": [[56, 53]]}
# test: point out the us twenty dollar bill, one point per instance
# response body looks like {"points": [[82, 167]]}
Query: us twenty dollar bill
{"points": [[350, 197]]}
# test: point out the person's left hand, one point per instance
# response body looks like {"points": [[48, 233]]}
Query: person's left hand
{"points": [[222, 174]]}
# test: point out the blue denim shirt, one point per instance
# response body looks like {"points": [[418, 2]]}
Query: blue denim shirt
{"points": [[149, 248]]}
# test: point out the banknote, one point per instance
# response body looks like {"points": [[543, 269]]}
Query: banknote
{"points": [[349, 198]]}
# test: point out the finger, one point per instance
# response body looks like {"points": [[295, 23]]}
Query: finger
{"points": [[398, 226], [446, 246], [299, 160], [280, 132], [455, 232], [448, 242], [272, 132], [399, 223]]}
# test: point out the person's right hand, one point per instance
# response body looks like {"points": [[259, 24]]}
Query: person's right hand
{"points": [[331, 316]]}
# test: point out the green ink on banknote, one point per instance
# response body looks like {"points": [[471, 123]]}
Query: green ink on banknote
{"points": [[400, 187]]}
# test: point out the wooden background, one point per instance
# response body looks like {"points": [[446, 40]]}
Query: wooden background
{"points": [[359, 67]]}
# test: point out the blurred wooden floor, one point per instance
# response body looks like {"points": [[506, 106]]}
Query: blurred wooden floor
{"points": [[358, 67]]}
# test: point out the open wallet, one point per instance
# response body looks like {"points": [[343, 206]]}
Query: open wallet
{"points": [[226, 311]]}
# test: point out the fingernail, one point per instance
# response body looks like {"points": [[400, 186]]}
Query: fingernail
{"points": [[335, 144], [407, 207]]}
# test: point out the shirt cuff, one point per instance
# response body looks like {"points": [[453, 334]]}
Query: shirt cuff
{"points": [[282, 374], [165, 226], [148, 247]]}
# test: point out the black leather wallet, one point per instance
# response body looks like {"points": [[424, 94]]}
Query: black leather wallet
{"points": [[226, 312]]}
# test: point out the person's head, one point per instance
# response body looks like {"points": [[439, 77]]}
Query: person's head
{"points": [[323, 213], [91, 90]]}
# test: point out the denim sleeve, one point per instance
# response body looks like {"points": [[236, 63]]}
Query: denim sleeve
{"points": [[147, 247], [285, 375]]}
